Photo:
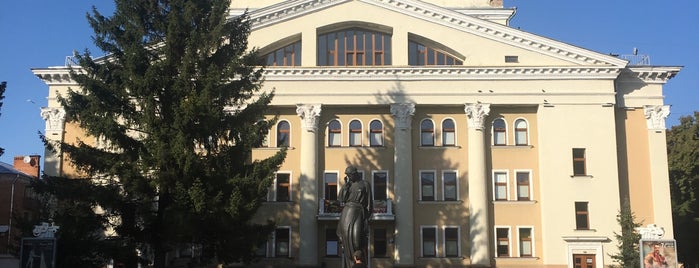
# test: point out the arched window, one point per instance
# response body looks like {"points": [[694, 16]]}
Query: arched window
{"points": [[289, 55], [521, 132], [448, 133], [283, 134], [354, 47], [375, 133], [499, 132], [420, 54], [355, 133], [427, 133], [334, 133]]}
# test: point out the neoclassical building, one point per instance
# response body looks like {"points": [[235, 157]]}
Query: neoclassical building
{"points": [[485, 145]]}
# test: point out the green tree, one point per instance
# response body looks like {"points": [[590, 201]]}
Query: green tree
{"points": [[683, 162], [3, 85], [627, 240], [177, 110]]}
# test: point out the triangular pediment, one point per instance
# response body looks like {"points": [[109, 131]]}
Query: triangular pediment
{"points": [[290, 10]]}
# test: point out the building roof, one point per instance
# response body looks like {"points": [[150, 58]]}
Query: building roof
{"points": [[6, 168]]}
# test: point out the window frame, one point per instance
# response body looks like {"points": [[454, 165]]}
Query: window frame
{"points": [[280, 133], [456, 185], [445, 240], [338, 250], [277, 184], [530, 190], [499, 239], [422, 241], [355, 135], [421, 53], [447, 131], [326, 184], [497, 184], [519, 130], [373, 184], [376, 238], [497, 131], [337, 47], [582, 213], [291, 55], [434, 182], [332, 133], [579, 160], [275, 248], [427, 131], [520, 241], [373, 132]]}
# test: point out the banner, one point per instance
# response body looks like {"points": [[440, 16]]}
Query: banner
{"points": [[38, 253], [658, 253]]}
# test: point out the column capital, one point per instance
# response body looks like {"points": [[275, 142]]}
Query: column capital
{"points": [[402, 113], [54, 117], [476, 113], [309, 114], [655, 116]]}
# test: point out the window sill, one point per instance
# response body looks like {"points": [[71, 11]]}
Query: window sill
{"points": [[518, 258], [441, 258], [447, 147], [528, 146], [439, 202], [585, 230], [582, 176], [273, 148], [513, 202], [354, 147]]}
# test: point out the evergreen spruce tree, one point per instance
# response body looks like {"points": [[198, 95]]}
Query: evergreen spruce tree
{"points": [[683, 163], [627, 242], [176, 110]]}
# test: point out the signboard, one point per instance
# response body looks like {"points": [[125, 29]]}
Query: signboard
{"points": [[38, 253], [658, 253]]}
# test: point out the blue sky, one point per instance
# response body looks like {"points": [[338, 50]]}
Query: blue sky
{"points": [[41, 33]]}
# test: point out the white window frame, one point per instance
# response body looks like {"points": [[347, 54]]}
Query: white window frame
{"points": [[434, 142], [436, 241], [337, 177], [276, 133], [434, 184], [291, 189], [373, 182], [443, 132], [519, 245], [492, 130], [531, 188], [514, 127], [458, 240], [509, 240], [327, 129], [274, 241], [507, 184], [371, 133], [350, 134], [456, 177]]}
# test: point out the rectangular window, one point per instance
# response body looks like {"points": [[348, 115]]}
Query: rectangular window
{"points": [[332, 245], [503, 242], [451, 241], [281, 242], [450, 186], [579, 162], [380, 185], [500, 189], [380, 243], [330, 186], [523, 186], [429, 241], [427, 186], [525, 242], [283, 187], [511, 59], [355, 137], [582, 219]]}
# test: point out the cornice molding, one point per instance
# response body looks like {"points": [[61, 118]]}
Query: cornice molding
{"points": [[61, 76], [650, 74], [291, 9]]}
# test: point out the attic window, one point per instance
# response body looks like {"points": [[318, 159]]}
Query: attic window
{"points": [[511, 59]]}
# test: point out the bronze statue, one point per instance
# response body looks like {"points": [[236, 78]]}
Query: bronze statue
{"points": [[353, 227]]}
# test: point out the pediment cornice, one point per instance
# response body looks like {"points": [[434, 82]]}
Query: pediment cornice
{"points": [[61, 76], [449, 18], [650, 74]]}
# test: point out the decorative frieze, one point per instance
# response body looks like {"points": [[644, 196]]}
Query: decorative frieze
{"points": [[402, 114], [54, 117], [655, 116], [309, 114], [476, 113]]}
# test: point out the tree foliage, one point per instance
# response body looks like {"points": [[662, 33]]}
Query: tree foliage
{"points": [[683, 162], [627, 241], [172, 114]]}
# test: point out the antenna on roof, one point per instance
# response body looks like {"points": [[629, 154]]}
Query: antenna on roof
{"points": [[635, 51]]}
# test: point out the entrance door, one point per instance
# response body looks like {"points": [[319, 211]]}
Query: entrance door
{"points": [[584, 261]]}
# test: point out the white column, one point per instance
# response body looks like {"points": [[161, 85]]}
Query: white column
{"points": [[477, 187], [308, 184], [660, 179], [403, 183], [55, 121]]}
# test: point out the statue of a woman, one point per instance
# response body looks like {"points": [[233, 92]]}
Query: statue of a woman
{"points": [[353, 227]]}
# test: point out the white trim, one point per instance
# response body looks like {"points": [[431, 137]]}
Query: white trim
{"points": [[276, 133], [456, 173], [434, 184], [514, 131], [507, 181], [593, 247], [383, 132], [458, 241], [434, 132], [361, 133], [519, 246], [492, 132], [274, 241], [337, 174], [509, 240], [436, 241], [327, 133], [373, 182], [516, 183], [441, 128], [291, 191]]}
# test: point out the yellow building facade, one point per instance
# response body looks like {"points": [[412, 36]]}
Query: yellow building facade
{"points": [[485, 145]]}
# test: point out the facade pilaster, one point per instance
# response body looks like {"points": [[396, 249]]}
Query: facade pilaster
{"points": [[55, 124], [403, 186], [660, 179], [479, 229], [308, 184]]}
